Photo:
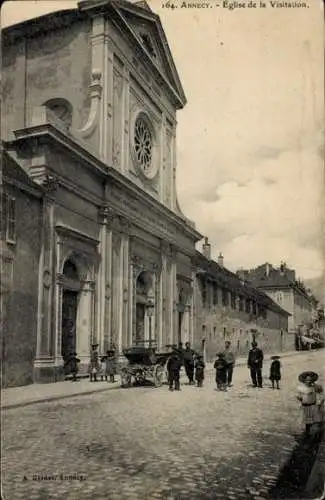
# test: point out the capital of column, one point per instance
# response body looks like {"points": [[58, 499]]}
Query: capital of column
{"points": [[88, 286], [106, 215], [124, 225], [59, 279]]}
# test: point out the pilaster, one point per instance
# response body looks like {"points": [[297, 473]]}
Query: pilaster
{"points": [[125, 120], [44, 345]]}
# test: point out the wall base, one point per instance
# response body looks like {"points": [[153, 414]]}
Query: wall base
{"points": [[48, 374]]}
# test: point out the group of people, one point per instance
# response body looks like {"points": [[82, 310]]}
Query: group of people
{"points": [[224, 366], [193, 364], [99, 368], [104, 367]]}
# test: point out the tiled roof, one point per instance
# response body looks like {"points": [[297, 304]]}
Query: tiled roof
{"points": [[233, 283], [266, 276]]}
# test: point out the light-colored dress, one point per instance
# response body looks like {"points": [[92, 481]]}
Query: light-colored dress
{"points": [[311, 398]]}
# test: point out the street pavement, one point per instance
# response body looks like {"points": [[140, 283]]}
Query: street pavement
{"points": [[152, 444]]}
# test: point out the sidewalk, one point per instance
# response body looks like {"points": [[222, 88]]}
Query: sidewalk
{"points": [[15, 397]]}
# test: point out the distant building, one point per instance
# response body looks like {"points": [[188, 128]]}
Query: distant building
{"points": [[289, 293], [228, 308]]}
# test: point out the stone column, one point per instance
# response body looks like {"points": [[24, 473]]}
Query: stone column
{"points": [[160, 305], [186, 323], [125, 120], [106, 216], [131, 299], [124, 325], [173, 302], [163, 154], [101, 288], [86, 332], [44, 345], [117, 290], [58, 360]]}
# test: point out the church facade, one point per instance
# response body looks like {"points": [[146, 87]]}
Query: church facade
{"points": [[90, 97]]}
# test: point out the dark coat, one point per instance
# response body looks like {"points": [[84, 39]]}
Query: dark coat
{"points": [[174, 363], [188, 356], [220, 366], [255, 358], [199, 369], [73, 364], [275, 370]]}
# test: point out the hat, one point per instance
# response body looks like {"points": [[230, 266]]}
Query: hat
{"points": [[302, 377], [220, 354], [94, 345], [275, 357]]}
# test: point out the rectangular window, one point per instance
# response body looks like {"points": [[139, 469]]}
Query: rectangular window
{"points": [[214, 332], [224, 332], [10, 219], [254, 309], [248, 306], [225, 297], [241, 303], [233, 301]]}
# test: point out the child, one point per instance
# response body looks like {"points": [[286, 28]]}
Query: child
{"points": [[199, 370], [221, 372], [103, 368], [73, 365], [94, 364], [110, 366], [308, 394], [174, 365], [275, 371]]}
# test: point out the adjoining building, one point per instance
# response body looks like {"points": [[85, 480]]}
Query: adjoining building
{"points": [[229, 308], [283, 287], [102, 252]]}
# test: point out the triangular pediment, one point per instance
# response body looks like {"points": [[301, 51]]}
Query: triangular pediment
{"points": [[146, 28]]}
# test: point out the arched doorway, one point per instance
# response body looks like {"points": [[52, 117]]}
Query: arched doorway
{"points": [[143, 286], [71, 287]]}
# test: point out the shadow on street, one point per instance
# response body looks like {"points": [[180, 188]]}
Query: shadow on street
{"points": [[293, 478]]}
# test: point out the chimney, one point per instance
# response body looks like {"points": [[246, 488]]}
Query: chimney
{"points": [[220, 259], [267, 269], [282, 268], [206, 249]]}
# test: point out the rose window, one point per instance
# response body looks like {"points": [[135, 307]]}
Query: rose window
{"points": [[143, 144]]}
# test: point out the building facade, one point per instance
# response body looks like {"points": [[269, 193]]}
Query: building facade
{"points": [[282, 286], [90, 97], [20, 250], [228, 308]]}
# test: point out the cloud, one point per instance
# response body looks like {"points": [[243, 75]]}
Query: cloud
{"points": [[275, 215]]}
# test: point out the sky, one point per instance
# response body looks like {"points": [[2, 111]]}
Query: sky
{"points": [[250, 167]]}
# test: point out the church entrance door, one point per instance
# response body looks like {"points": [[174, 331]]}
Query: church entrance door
{"points": [[69, 318]]}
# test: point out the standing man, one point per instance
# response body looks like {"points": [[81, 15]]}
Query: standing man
{"points": [[230, 358], [188, 359], [174, 364], [255, 364]]}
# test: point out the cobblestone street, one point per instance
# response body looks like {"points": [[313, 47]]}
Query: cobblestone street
{"points": [[146, 443]]}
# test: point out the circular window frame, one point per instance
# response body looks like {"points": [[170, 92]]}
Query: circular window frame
{"points": [[151, 172]]}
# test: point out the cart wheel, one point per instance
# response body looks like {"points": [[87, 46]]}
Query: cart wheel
{"points": [[159, 375], [139, 377], [125, 379]]}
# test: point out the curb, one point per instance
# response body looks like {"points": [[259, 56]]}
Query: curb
{"points": [[60, 396], [54, 398]]}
